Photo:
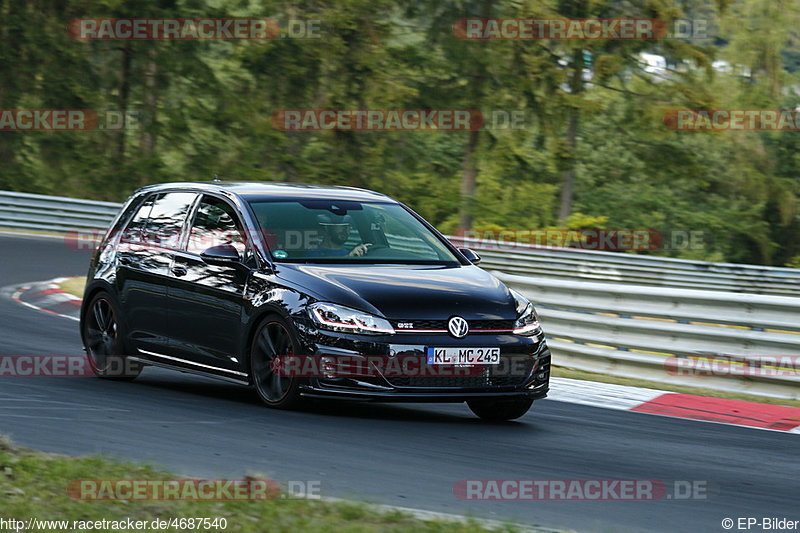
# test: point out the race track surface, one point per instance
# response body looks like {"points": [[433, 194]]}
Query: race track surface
{"points": [[409, 456]]}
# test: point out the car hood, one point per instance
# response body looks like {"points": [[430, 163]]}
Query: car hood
{"points": [[421, 292]]}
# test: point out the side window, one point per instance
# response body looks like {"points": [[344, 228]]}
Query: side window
{"points": [[166, 219], [134, 232], [215, 223]]}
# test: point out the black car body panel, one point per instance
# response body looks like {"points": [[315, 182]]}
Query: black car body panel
{"points": [[396, 293]]}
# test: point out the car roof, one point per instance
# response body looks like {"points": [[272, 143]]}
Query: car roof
{"points": [[263, 191]]}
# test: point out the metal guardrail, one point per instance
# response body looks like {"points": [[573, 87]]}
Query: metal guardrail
{"points": [[615, 313], [25, 211], [717, 340], [634, 269]]}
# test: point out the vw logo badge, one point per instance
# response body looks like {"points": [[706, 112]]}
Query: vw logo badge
{"points": [[458, 327]]}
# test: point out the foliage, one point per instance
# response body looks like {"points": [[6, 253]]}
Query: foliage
{"points": [[206, 107]]}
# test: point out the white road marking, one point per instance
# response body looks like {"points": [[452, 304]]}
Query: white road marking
{"points": [[16, 296], [597, 394]]}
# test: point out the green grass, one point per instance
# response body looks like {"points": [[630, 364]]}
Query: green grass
{"points": [[572, 373], [74, 286], [25, 232], [33, 484]]}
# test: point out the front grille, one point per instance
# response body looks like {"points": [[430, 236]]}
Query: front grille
{"points": [[442, 325], [421, 324], [491, 324], [491, 376]]}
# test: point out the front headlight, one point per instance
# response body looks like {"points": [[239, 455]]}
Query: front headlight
{"points": [[527, 322], [339, 318]]}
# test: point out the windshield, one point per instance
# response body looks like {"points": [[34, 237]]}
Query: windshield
{"points": [[336, 231]]}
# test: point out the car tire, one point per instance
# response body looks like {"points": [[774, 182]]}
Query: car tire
{"points": [[274, 337], [103, 335], [500, 410]]}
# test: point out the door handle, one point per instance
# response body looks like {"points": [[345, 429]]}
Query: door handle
{"points": [[178, 271]]}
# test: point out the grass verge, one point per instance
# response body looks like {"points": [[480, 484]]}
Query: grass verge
{"points": [[74, 286], [33, 485]]}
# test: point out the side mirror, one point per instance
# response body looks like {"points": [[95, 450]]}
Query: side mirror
{"points": [[224, 254], [471, 256]]}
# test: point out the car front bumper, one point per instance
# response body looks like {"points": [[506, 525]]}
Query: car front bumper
{"points": [[524, 371]]}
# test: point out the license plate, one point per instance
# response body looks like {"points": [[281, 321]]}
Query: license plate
{"points": [[463, 356]]}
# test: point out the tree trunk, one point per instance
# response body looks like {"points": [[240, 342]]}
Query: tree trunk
{"points": [[568, 180], [147, 140], [469, 176], [468, 182], [124, 96]]}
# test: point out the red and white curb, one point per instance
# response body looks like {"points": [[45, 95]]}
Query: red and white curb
{"points": [[48, 297], [676, 405]]}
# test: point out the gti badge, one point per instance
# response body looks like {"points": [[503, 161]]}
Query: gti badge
{"points": [[458, 327]]}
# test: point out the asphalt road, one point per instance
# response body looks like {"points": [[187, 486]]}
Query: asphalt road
{"points": [[409, 456]]}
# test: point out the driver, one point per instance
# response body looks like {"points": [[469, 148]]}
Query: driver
{"points": [[335, 230]]}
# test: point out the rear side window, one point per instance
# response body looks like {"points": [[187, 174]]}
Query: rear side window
{"points": [[215, 223], [167, 217], [134, 233], [159, 221]]}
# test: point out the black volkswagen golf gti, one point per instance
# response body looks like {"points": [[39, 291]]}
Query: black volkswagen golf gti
{"points": [[307, 292]]}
